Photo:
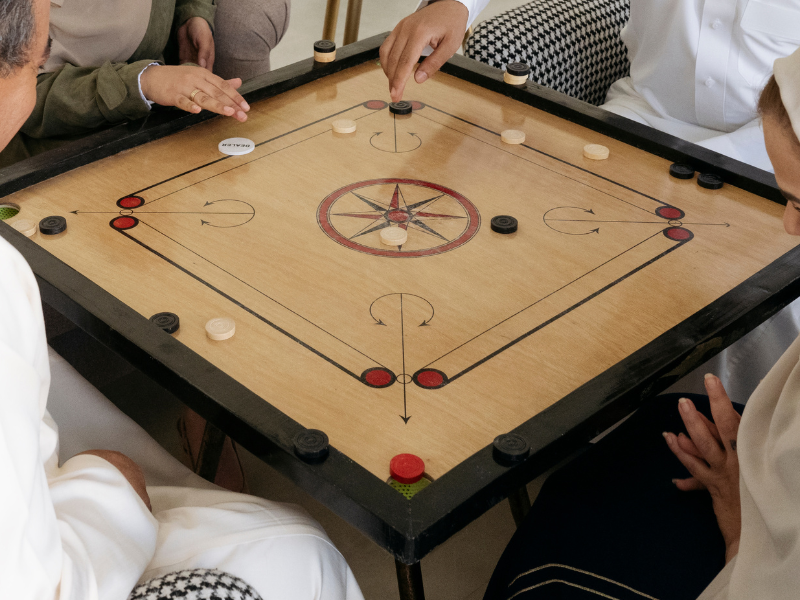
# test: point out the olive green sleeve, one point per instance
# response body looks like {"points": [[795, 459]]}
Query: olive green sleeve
{"points": [[75, 100], [186, 9]]}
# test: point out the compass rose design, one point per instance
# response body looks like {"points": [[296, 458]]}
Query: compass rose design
{"points": [[437, 218]]}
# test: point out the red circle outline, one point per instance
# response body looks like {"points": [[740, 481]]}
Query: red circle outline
{"points": [[323, 218], [678, 234], [124, 223], [130, 202], [378, 377], [670, 213]]}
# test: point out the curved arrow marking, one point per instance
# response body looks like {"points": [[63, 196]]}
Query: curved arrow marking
{"points": [[583, 210], [395, 150], [379, 321], [251, 213]]}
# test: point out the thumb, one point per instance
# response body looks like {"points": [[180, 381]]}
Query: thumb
{"points": [[434, 62], [688, 485]]}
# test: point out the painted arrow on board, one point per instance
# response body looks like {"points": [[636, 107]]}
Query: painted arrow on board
{"points": [[394, 150], [403, 378], [576, 214], [378, 320], [250, 214], [570, 208]]}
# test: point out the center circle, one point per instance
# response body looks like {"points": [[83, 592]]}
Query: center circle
{"points": [[437, 219], [404, 378]]}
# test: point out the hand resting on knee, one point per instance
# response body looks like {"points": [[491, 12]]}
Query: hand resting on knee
{"points": [[129, 469]]}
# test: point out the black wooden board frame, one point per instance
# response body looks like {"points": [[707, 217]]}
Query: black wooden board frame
{"points": [[409, 529]]}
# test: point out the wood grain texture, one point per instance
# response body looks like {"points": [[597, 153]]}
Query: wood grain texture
{"points": [[516, 320]]}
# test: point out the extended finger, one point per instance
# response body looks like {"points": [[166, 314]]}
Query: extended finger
{"points": [[708, 445], [185, 47], [725, 416], [393, 61], [206, 101], [689, 485], [188, 105], [408, 60], [696, 467], [205, 53], [711, 426], [385, 50], [225, 91], [435, 61], [685, 442]]}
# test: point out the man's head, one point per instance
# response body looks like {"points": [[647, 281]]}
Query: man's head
{"points": [[24, 46], [783, 148]]}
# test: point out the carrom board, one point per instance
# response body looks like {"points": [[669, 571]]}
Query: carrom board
{"points": [[618, 279]]}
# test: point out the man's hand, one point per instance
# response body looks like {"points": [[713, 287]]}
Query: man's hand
{"points": [[129, 469], [196, 43], [440, 25], [173, 86], [709, 453]]}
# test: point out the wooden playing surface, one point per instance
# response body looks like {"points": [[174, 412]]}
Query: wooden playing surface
{"points": [[438, 346]]}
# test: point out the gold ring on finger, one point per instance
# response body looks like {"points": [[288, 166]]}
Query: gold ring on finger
{"points": [[193, 94]]}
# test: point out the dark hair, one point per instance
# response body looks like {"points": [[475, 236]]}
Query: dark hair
{"points": [[771, 105], [17, 28]]}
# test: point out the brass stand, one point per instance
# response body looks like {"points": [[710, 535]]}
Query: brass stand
{"points": [[351, 24]]}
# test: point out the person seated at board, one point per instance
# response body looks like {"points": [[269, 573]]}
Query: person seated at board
{"points": [[107, 63], [697, 67], [625, 519], [93, 508]]}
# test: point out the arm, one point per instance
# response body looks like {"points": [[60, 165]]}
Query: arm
{"points": [[79, 532], [186, 9], [438, 24], [75, 100]]}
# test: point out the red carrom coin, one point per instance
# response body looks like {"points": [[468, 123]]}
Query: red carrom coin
{"points": [[407, 468]]}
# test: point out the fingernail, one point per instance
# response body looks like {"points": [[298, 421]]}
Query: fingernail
{"points": [[666, 435], [228, 110], [683, 404], [709, 377], [674, 482], [420, 76], [245, 105], [203, 62], [392, 92]]}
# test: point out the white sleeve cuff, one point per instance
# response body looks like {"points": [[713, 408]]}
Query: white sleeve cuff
{"points": [[474, 7], [139, 79]]}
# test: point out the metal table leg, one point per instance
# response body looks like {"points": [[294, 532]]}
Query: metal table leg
{"points": [[352, 22], [409, 580], [520, 504], [331, 16], [210, 452]]}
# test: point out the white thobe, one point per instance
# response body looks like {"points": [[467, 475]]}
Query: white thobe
{"points": [[769, 445], [698, 67], [81, 532]]}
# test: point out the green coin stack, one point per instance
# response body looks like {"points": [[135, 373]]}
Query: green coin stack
{"points": [[7, 211], [409, 489]]}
